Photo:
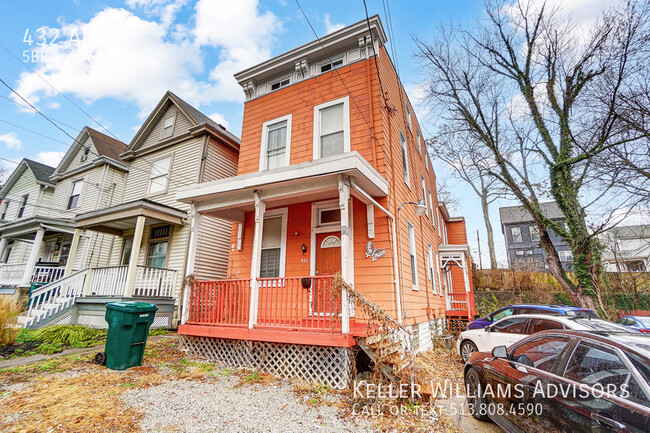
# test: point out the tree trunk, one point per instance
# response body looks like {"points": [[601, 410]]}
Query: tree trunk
{"points": [[490, 232]]}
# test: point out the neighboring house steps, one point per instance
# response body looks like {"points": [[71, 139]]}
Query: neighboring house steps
{"points": [[50, 301]]}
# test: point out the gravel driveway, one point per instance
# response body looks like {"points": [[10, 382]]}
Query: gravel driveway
{"points": [[218, 406]]}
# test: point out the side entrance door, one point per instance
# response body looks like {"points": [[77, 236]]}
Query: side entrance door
{"points": [[328, 262]]}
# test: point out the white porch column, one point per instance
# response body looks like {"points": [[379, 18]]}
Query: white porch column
{"points": [[467, 286], [73, 252], [260, 208], [135, 255], [347, 261], [33, 257], [190, 263]]}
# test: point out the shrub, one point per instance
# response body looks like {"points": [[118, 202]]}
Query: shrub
{"points": [[9, 310], [68, 335]]}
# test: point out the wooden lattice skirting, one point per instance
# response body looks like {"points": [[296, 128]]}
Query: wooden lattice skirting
{"points": [[326, 365]]}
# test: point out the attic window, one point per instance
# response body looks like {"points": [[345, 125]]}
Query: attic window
{"points": [[168, 127], [331, 65], [280, 84], [84, 155]]}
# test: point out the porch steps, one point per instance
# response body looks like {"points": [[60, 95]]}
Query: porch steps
{"points": [[387, 353], [46, 313]]}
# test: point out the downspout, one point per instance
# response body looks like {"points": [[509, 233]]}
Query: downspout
{"points": [[394, 242]]}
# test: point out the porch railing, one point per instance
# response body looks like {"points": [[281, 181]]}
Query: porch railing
{"points": [[108, 281], [288, 303], [224, 302], [12, 274], [154, 281], [457, 301], [47, 274]]}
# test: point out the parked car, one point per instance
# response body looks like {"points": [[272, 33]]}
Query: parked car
{"points": [[512, 310], [640, 323], [509, 330], [564, 381]]}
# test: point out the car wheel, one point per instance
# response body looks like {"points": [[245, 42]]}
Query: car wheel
{"points": [[475, 398], [466, 349]]}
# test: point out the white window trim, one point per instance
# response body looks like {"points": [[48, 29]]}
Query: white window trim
{"points": [[341, 57], [5, 208], [405, 147], [279, 80], [82, 181], [417, 137], [162, 126], [346, 124], [431, 207], [512, 234], [167, 177], [409, 121], [439, 223], [283, 212], [413, 251], [265, 129]]}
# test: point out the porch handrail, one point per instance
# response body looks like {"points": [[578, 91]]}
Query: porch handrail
{"points": [[457, 301], [288, 303], [58, 294], [108, 281], [154, 281], [47, 274], [224, 302]]}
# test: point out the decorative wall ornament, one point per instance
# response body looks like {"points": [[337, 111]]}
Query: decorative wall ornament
{"points": [[375, 253]]}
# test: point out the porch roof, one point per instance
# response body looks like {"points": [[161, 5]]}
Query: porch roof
{"points": [[26, 228], [117, 219], [312, 180]]}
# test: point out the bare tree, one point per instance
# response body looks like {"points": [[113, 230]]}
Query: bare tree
{"points": [[525, 67], [469, 163]]}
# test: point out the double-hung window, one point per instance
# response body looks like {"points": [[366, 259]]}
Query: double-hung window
{"points": [[405, 159], [534, 234], [432, 274], [408, 116], [23, 204], [168, 127], [276, 143], [332, 128], [433, 219], [413, 257], [5, 206], [159, 175], [417, 137], [424, 194], [158, 245], [516, 235], [273, 245], [75, 194]]}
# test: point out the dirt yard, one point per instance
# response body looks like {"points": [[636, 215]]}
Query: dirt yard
{"points": [[170, 393]]}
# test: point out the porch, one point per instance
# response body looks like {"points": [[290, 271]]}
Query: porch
{"points": [[297, 310]]}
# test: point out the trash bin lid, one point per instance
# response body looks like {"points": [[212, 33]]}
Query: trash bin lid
{"points": [[132, 307]]}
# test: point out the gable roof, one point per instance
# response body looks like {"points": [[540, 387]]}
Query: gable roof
{"points": [[105, 145], [40, 171], [195, 117], [108, 151], [519, 214]]}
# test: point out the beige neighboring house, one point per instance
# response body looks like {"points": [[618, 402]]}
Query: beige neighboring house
{"points": [[122, 232], [627, 249]]}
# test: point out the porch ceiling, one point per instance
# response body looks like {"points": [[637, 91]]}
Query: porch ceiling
{"points": [[308, 181], [117, 219], [26, 229]]}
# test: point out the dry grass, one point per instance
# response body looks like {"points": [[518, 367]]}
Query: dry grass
{"points": [[9, 310], [72, 394]]}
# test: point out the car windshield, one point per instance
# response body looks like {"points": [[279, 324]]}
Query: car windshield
{"points": [[645, 321], [601, 325], [583, 313]]}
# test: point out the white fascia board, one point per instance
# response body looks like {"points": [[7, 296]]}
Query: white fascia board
{"points": [[346, 36], [448, 248], [351, 163]]}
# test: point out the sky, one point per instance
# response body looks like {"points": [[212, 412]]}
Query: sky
{"points": [[106, 64]]}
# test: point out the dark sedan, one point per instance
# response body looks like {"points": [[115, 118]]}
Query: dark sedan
{"points": [[564, 381]]}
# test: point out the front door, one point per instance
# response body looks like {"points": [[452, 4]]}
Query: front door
{"points": [[328, 262]]}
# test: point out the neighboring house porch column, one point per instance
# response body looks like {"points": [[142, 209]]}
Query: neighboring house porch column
{"points": [[73, 252], [347, 258], [135, 255], [260, 208], [33, 257], [468, 291]]}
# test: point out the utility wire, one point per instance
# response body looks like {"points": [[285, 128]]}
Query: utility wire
{"points": [[33, 132], [29, 108]]}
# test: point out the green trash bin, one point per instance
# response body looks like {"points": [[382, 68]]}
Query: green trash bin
{"points": [[128, 327]]}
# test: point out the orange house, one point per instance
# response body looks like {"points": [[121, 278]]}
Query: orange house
{"points": [[333, 176]]}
